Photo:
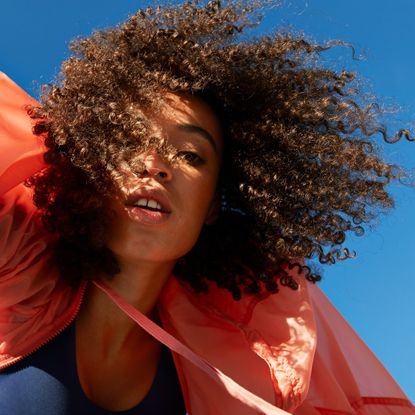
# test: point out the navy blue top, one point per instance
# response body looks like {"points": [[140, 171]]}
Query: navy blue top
{"points": [[46, 382]]}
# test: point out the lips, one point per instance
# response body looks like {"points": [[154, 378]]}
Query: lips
{"points": [[148, 206]]}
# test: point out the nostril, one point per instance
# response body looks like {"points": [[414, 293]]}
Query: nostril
{"points": [[152, 171]]}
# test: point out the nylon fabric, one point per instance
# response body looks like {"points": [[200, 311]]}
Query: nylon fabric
{"points": [[248, 357], [236, 390]]}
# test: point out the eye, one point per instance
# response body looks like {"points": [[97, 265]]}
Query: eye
{"points": [[190, 157]]}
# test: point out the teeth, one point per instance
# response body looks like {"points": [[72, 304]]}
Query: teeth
{"points": [[148, 203], [141, 202], [152, 204]]}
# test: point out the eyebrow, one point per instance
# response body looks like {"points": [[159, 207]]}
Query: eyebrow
{"points": [[200, 131]]}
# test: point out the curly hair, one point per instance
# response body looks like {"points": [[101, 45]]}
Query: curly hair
{"points": [[300, 168]]}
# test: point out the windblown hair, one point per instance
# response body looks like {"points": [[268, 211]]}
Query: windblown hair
{"points": [[300, 168]]}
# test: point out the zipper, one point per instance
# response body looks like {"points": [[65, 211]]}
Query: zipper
{"points": [[82, 290]]}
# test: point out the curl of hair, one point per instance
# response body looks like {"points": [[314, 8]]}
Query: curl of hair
{"points": [[300, 169]]}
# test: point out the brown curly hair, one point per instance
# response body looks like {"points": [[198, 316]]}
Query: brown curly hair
{"points": [[300, 168]]}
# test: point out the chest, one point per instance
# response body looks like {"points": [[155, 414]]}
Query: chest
{"points": [[52, 374], [116, 381]]}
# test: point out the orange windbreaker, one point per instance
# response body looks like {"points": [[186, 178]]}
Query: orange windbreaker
{"points": [[255, 356]]}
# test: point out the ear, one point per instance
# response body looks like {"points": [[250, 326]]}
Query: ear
{"points": [[214, 209]]}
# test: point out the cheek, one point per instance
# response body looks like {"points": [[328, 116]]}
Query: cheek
{"points": [[200, 197], [197, 199]]}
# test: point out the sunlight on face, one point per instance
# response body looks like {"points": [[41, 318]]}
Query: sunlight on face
{"points": [[160, 212]]}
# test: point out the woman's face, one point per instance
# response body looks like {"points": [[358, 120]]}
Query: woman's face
{"points": [[159, 213]]}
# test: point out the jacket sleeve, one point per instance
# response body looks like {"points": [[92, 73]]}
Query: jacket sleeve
{"points": [[22, 238], [20, 151], [347, 378], [20, 157], [35, 303]]}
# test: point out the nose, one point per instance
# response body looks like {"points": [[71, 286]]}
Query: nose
{"points": [[155, 166]]}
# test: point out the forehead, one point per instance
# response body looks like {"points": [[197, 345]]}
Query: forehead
{"points": [[182, 109]]}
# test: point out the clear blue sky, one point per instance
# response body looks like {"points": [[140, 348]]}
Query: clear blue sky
{"points": [[375, 291]]}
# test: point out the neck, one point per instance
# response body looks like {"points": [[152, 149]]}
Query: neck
{"points": [[139, 283]]}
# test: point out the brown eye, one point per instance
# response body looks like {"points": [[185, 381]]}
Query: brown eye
{"points": [[190, 157]]}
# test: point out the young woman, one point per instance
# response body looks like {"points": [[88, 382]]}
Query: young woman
{"points": [[176, 178]]}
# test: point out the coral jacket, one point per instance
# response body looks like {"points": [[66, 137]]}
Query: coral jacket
{"points": [[255, 356]]}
